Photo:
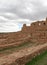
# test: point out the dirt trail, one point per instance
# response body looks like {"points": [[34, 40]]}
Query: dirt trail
{"points": [[8, 59]]}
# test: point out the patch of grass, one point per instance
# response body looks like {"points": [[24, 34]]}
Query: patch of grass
{"points": [[39, 60]]}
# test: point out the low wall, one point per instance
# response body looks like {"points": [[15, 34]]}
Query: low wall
{"points": [[22, 57], [27, 58]]}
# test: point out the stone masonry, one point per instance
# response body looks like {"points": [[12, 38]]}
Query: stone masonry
{"points": [[36, 32]]}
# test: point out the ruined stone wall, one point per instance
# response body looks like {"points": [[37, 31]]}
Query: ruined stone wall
{"points": [[27, 58], [12, 39], [22, 60], [37, 32]]}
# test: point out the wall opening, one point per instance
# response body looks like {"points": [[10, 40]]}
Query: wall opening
{"points": [[44, 23]]}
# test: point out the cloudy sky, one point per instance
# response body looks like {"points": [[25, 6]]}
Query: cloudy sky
{"points": [[14, 13]]}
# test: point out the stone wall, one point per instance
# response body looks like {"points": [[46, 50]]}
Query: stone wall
{"points": [[37, 32], [27, 58], [22, 59]]}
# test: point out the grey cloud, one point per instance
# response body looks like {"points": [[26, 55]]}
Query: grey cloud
{"points": [[30, 9], [26, 10]]}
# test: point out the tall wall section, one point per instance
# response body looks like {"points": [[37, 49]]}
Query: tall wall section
{"points": [[37, 31]]}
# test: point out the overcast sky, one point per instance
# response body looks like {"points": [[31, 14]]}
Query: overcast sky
{"points": [[14, 13]]}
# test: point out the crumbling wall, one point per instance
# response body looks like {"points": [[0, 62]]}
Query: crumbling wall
{"points": [[37, 32], [27, 58], [22, 60]]}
